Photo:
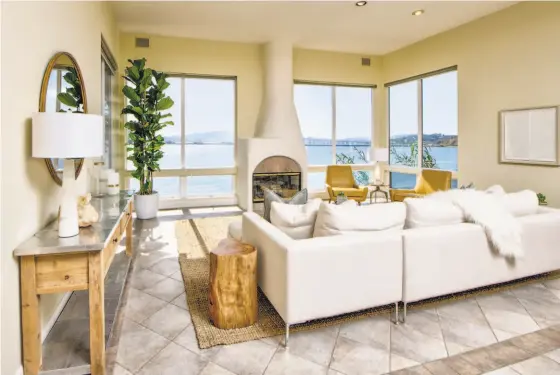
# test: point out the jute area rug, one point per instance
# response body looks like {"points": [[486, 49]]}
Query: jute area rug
{"points": [[197, 237]]}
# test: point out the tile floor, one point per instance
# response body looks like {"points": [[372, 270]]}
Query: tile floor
{"points": [[516, 330]]}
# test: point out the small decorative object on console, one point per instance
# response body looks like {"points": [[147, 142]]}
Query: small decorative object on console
{"points": [[542, 199], [87, 215], [469, 186]]}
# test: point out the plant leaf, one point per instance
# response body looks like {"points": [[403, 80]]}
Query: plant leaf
{"points": [[130, 93], [165, 104], [67, 99]]}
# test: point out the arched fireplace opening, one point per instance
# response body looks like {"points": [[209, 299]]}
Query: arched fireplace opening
{"points": [[280, 174]]}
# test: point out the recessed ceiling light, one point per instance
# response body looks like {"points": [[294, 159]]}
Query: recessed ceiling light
{"points": [[361, 3], [418, 12]]}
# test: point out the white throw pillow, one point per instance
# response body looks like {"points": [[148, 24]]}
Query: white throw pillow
{"points": [[522, 203], [296, 220], [351, 219], [422, 212], [495, 189]]}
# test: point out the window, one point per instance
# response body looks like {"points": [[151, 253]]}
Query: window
{"points": [[107, 74], [336, 123], [423, 109], [200, 146]]}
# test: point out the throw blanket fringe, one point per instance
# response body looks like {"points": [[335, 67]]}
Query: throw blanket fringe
{"points": [[488, 211]]}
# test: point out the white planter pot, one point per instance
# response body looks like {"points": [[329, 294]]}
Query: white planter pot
{"points": [[146, 206]]}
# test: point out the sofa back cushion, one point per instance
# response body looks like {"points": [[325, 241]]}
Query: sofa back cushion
{"points": [[422, 212], [350, 219], [521, 203], [297, 221]]}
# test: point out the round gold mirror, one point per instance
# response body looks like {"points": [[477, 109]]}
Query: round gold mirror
{"points": [[63, 90]]}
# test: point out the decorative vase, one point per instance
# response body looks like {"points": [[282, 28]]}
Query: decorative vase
{"points": [[146, 206]]}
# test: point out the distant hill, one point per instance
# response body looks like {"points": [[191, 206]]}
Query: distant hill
{"points": [[432, 140], [207, 137], [223, 137]]}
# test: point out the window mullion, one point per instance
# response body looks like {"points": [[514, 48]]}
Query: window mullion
{"points": [[183, 180], [420, 125], [333, 123]]}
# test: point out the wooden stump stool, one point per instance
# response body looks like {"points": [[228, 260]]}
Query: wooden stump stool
{"points": [[233, 285]]}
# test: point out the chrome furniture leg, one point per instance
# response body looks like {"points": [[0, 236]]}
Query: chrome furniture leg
{"points": [[287, 336], [397, 313], [404, 313]]}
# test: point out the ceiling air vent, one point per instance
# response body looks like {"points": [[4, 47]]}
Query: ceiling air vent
{"points": [[366, 61], [142, 42]]}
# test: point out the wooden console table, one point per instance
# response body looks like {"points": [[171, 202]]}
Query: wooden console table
{"points": [[49, 264]]}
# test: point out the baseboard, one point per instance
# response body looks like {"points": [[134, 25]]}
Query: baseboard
{"points": [[166, 204], [47, 327]]}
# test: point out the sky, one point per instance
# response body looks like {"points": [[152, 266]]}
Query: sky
{"points": [[439, 98], [210, 107]]}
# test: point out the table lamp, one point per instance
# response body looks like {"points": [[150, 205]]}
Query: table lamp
{"points": [[67, 136], [380, 155]]}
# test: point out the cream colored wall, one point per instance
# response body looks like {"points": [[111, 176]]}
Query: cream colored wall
{"points": [[29, 195], [509, 59]]}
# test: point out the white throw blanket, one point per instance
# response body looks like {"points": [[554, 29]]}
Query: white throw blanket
{"points": [[488, 211]]}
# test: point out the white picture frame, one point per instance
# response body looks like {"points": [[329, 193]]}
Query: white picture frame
{"points": [[530, 136]]}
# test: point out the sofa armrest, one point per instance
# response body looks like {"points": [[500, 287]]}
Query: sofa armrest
{"points": [[272, 245], [330, 191], [398, 195]]}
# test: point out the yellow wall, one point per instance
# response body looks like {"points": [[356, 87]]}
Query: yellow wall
{"points": [[29, 195], [509, 59], [192, 56]]}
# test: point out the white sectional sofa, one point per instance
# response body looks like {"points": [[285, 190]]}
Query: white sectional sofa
{"points": [[394, 259], [446, 259], [326, 276]]}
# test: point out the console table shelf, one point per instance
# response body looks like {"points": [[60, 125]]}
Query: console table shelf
{"points": [[49, 264]]}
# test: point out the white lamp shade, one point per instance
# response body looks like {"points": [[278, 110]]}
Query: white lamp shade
{"points": [[67, 135], [381, 154]]}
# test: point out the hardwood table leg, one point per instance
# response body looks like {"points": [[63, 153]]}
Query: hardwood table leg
{"points": [[30, 319], [96, 313], [129, 235]]}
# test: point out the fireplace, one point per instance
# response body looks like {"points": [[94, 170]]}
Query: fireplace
{"points": [[280, 174]]}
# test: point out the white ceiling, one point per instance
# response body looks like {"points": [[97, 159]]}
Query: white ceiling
{"points": [[377, 28]]}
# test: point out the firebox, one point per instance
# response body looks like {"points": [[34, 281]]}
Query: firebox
{"points": [[285, 184]]}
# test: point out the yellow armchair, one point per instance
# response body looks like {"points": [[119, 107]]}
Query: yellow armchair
{"points": [[341, 179], [429, 181]]}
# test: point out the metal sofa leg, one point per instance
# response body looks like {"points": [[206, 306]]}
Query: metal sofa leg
{"points": [[404, 313], [397, 313], [287, 336]]}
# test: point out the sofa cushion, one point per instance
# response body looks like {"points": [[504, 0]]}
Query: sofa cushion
{"points": [[422, 212], [351, 219], [269, 196], [297, 221], [521, 203]]}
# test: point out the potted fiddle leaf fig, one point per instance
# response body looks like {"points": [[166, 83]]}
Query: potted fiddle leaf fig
{"points": [[145, 91]]}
